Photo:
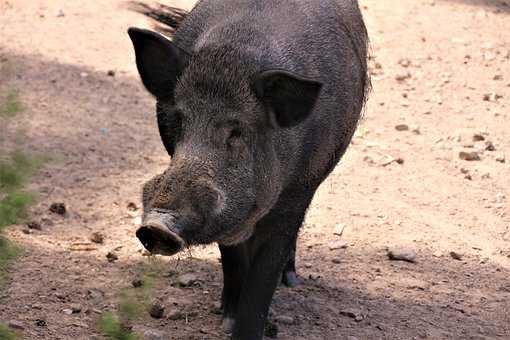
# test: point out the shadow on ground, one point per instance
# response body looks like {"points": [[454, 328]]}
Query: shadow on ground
{"points": [[499, 5]]}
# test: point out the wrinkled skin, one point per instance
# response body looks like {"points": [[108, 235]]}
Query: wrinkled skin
{"points": [[256, 103]]}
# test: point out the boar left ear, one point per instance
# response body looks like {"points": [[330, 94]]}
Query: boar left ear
{"points": [[289, 97], [159, 61]]}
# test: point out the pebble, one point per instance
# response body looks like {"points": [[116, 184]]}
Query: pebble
{"points": [[58, 208], [339, 229], [341, 244], [285, 319], [111, 256], [152, 334], [175, 314], [75, 308], [97, 237], [34, 225], [137, 282], [186, 280], [60, 13], [402, 127], [403, 76], [15, 325], [469, 155], [353, 314], [402, 254], [500, 158], [67, 311], [110, 73], [456, 255], [157, 311], [489, 146]]}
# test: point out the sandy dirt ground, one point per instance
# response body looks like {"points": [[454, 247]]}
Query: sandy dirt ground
{"points": [[441, 73]]}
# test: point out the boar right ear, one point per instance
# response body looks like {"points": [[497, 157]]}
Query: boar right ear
{"points": [[159, 61], [291, 98]]}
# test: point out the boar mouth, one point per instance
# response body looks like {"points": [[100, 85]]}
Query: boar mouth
{"points": [[160, 239]]}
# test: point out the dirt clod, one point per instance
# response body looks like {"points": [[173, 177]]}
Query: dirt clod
{"points": [[157, 310], [97, 237], [34, 225], [469, 155], [112, 257], [187, 280], [456, 255], [58, 208]]}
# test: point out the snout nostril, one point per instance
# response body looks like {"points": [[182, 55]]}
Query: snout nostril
{"points": [[160, 240]]}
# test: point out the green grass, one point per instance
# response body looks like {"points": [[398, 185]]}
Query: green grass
{"points": [[7, 334], [11, 105], [133, 305], [111, 326], [15, 170]]}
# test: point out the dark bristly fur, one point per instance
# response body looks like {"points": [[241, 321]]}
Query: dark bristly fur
{"points": [[257, 101], [168, 18]]}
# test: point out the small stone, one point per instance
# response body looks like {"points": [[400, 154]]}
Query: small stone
{"points": [[477, 137], [84, 74], [339, 229], [341, 244], [403, 76], [175, 314], [152, 334], [15, 325], [34, 225], [405, 62], [137, 282], [26, 231], [285, 319], [157, 311], [415, 129], [110, 73], [95, 294], [469, 155], [500, 158], [271, 330], [67, 311], [111, 256], [187, 280], [489, 146], [402, 127], [40, 323], [402, 254], [353, 314], [58, 208], [60, 13], [97, 237], [131, 206], [456, 255], [75, 308]]}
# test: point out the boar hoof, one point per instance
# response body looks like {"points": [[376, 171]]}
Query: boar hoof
{"points": [[228, 325], [290, 279]]}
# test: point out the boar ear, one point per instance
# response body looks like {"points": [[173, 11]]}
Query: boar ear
{"points": [[289, 97], [159, 61]]}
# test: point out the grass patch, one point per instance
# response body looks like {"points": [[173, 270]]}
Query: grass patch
{"points": [[10, 105], [15, 170], [7, 334], [111, 326], [133, 305]]}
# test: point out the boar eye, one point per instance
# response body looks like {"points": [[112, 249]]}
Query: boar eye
{"points": [[234, 139]]}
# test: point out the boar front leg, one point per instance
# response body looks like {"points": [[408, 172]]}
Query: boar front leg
{"points": [[270, 249], [235, 264], [289, 276]]}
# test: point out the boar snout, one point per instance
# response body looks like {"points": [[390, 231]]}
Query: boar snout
{"points": [[160, 234]]}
